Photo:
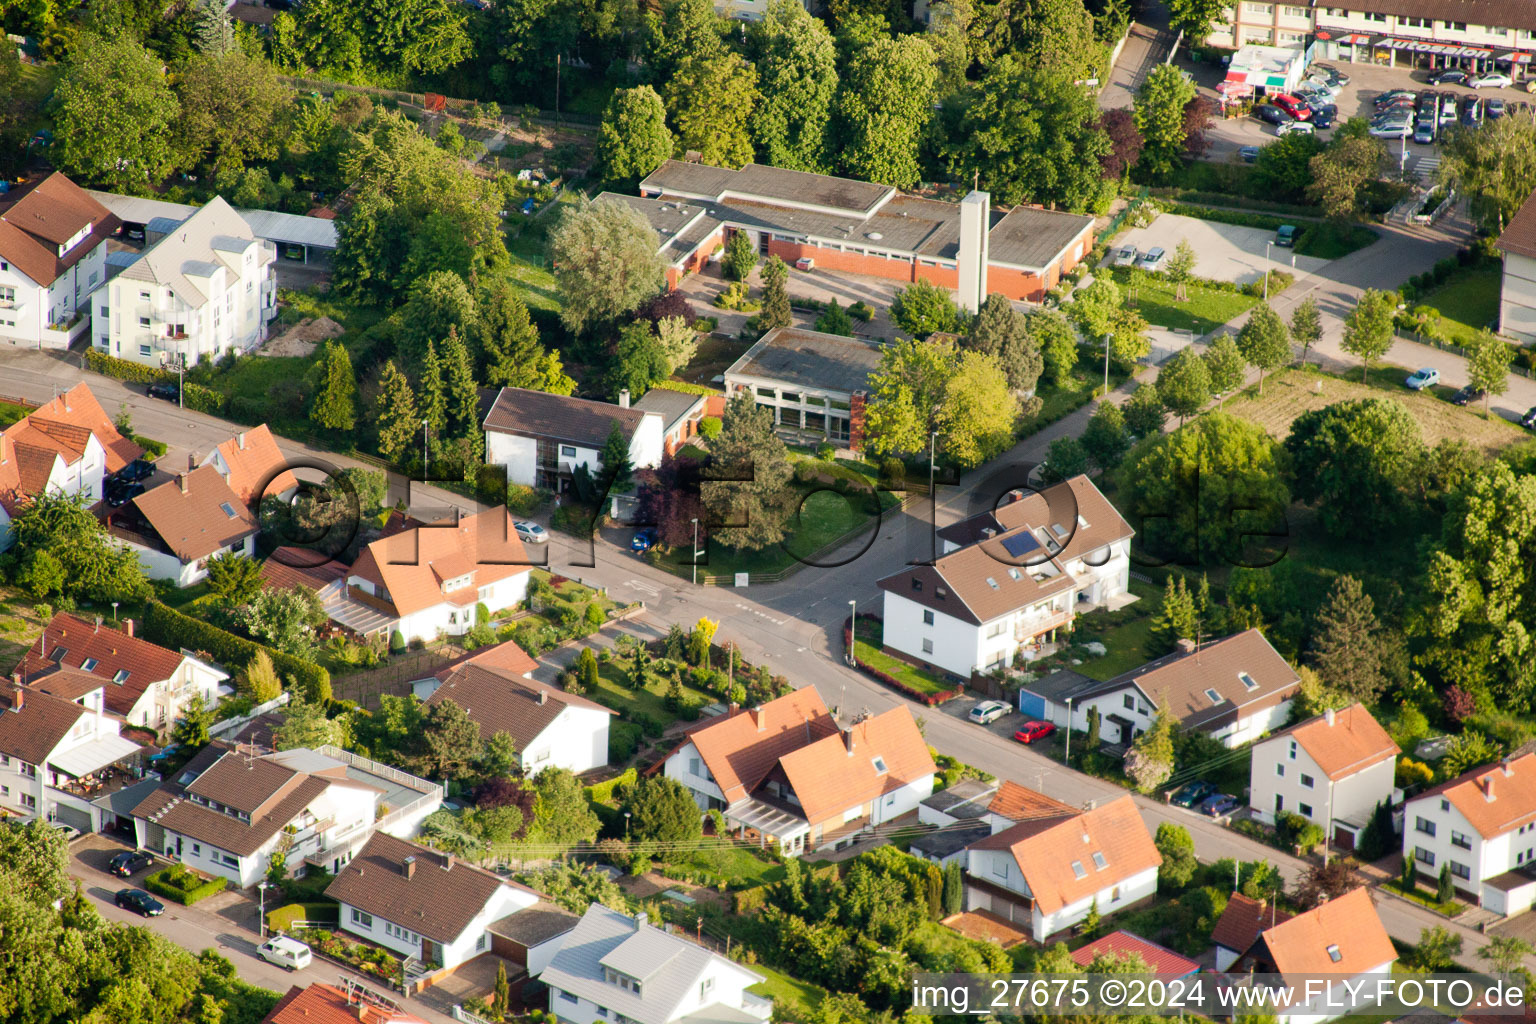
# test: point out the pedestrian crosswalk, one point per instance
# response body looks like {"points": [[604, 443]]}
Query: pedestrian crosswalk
{"points": [[1425, 165]]}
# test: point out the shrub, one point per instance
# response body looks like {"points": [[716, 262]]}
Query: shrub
{"points": [[824, 452], [167, 627], [195, 396], [710, 427], [861, 311], [152, 448], [283, 919], [396, 642], [706, 324], [182, 885]]}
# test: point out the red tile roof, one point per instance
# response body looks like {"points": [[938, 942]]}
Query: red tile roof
{"points": [[1019, 803], [58, 430], [499, 701], [33, 723], [1122, 944], [413, 565], [79, 408], [1351, 742], [1241, 923], [112, 650], [740, 749], [252, 465], [199, 520], [1349, 926], [876, 756], [1046, 852], [327, 1004], [1519, 236], [36, 219], [1496, 798]]}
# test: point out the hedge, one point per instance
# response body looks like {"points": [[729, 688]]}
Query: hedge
{"points": [[167, 627], [921, 696], [125, 369], [602, 792], [181, 885], [201, 399], [686, 388], [152, 448], [283, 919]]}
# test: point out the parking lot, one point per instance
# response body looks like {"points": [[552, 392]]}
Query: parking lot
{"points": [[1223, 252], [1357, 99]]}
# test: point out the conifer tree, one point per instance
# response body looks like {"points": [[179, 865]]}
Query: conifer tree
{"points": [[395, 413], [335, 405]]}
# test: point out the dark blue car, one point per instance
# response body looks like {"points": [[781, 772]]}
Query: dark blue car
{"points": [[643, 540], [1219, 804]]}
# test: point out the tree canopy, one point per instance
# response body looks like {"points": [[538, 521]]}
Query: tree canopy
{"points": [[1356, 460], [634, 139], [607, 261]]}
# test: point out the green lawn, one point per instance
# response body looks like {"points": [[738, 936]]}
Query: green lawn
{"points": [[613, 691], [738, 866], [898, 669], [796, 999], [10, 413], [1468, 300], [1128, 648], [1156, 298]]}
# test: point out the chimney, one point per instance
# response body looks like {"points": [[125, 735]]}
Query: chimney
{"points": [[1329, 715], [98, 625], [1185, 645], [447, 862], [181, 480], [543, 697], [758, 719], [732, 709], [191, 461], [1487, 781], [1509, 769], [1015, 495], [975, 210], [128, 626], [849, 741], [20, 700], [624, 399], [240, 440], [409, 866], [641, 920]]}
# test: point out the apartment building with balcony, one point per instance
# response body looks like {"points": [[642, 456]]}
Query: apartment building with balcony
{"points": [[228, 811], [59, 749], [1479, 35], [1009, 581], [53, 255], [203, 287]]}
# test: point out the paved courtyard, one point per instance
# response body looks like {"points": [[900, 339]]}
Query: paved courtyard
{"points": [[1223, 252]]}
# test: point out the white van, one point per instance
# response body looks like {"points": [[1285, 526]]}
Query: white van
{"points": [[285, 952]]}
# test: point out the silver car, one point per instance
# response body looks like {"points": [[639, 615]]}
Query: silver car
{"points": [[989, 711], [1125, 256], [1152, 259], [531, 533]]}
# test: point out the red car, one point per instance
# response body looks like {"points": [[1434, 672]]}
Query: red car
{"points": [[1032, 731], [1293, 106]]}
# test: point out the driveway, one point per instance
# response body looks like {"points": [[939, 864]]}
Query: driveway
{"points": [[1223, 252]]}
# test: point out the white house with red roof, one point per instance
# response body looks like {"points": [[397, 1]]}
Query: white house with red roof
{"points": [[67, 446], [1050, 868], [175, 528], [788, 773], [53, 255], [1483, 824], [428, 581], [329, 1004], [1332, 770], [144, 684], [252, 466]]}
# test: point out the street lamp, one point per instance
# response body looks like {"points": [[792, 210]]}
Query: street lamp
{"points": [[424, 449], [695, 551], [1068, 756], [933, 442], [853, 627], [626, 826], [114, 613], [1267, 246], [261, 914]]}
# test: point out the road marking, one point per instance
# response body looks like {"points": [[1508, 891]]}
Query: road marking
{"points": [[761, 614], [644, 588]]}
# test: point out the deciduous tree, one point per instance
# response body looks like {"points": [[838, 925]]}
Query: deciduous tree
{"points": [[1226, 366], [1149, 762], [1144, 411], [1105, 438], [883, 109], [711, 100], [1178, 852], [1057, 341], [231, 111], [1184, 384], [1340, 172], [1356, 460], [607, 261], [634, 139], [1065, 459], [1264, 341], [1488, 365], [1160, 118], [1368, 329], [112, 114], [792, 124], [639, 362], [1496, 168], [87, 563], [1306, 325], [1125, 143], [922, 308]]}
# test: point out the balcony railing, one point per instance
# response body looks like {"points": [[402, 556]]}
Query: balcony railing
{"points": [[1034, 625]]}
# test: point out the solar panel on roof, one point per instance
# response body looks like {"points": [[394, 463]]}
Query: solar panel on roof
{"points": [[1020, 544]]}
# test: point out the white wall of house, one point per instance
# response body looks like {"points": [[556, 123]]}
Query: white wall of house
{"points": [[1283, 770], [519, 454], [719, 982], [456, 620], [928, 635], [29, 312], [1000, 869], [1517, 298], [576, 740], [648, 443], [1253, 725], [470, 943], [1330, 1005], [158, 565], [161, 704], [688, 768], [1110, 898], [899, 801], [1436, 833]]}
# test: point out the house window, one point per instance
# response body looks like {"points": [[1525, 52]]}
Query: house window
{"points": [[928, 618], [1130, 702], [197, 849], [1424, 825], [88, 664], [143, 321], [917, 584], [927, 646], [569, 997], [1293, 750], [362, 919], [1445, 805], [1424, 856], [1307, 780], [693, 766], [1305, 809], [143, 350], [997, 629], [1280, 770], [1099, 861], [880, 768], [568, 451], [1215, 697], [1460, 870], [1457, 839], [1454, 26], [1279, 803], [1247, 681], [706, 987], [1114, 895], [1078, 870], [480, 944], [1334, 954]]}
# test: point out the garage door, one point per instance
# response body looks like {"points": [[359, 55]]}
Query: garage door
{"points": [[1031, 704], [73, 817], [1343, 838]]}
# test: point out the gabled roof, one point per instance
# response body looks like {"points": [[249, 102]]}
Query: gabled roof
{"points": [[1343, 936], [670, 405], [1243, 920], [195, 248], [1342, 743], [125, 665], [1119, 945], [873, 757], [740, 749], [1057, 857], [669, 967], [1494, 799], [439, 899], [1020, 803], [196, 514], [25, 470], [413, 565], [499, 701], [326, 1004], [1519, 235], [505, 657], [1179, 680], [252, 465], [579, 421], [58, 430], [33, 724], [36, 219], [1021, 561]]}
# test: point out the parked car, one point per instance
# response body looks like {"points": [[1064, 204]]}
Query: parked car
{"points": [[1321, 83], [1249, 154], [1296, 128], [121, 494], [1493, 107], [169, 392], [1392, 95], [1125, 256], [1472, 112], [1219, 805], [138, 469], [1466, 395], [285, 952], [1398, 106], [1293, 106], [1270, 114], [1314, 94], [1528, 421], [642, 540], [1392, 130], [1329, 72], [1324, 116], [1193, 794], [989, 711], [130, 861], [1449, 76], [139, 901], [1448, 110], [69, 832], [533, 533], [1424, 133], [1428, 100], [1427, 377], [1152, 259], [1285, 235], [1031, 731], [1492, 80]]}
